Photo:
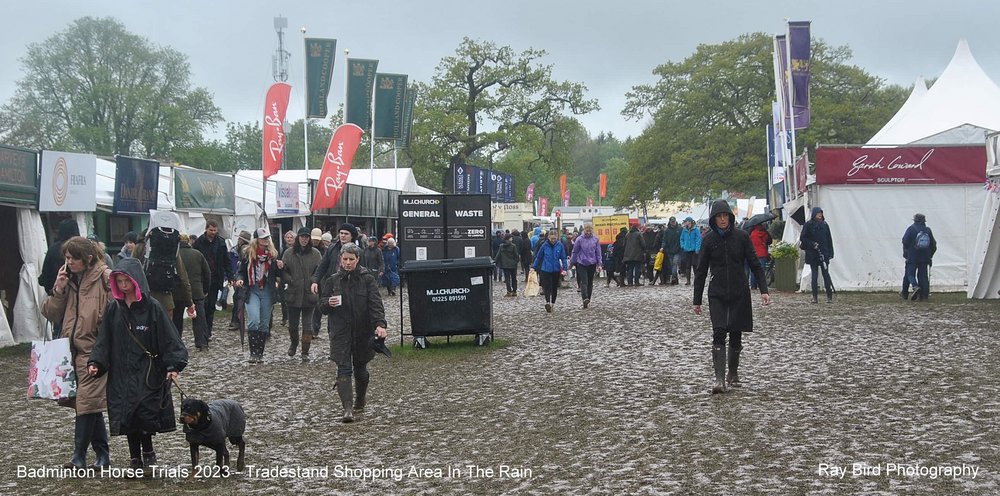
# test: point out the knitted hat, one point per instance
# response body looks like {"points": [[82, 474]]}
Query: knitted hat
{"points": [[326, 237]]}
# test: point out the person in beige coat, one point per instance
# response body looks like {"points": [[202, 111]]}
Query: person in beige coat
{"points": [[78, 300]]}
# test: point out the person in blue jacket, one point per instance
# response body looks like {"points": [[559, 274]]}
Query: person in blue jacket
{"points": [[690, 246], [550, 263]]}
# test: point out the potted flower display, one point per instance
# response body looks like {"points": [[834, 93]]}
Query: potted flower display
{"points": [[785, 257]]}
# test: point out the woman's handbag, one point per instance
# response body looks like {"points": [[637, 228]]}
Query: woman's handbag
{"points": [[531, 287], [51, 375]]}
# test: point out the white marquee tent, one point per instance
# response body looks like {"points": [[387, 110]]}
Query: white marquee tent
{"points": [[867, 221]]}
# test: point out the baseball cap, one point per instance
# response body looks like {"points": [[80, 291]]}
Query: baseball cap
{"points": [[263, 233], [316, 234]]}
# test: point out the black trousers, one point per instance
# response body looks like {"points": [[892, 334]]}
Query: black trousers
{"points": [[815, 279], [210, 300], [550, 282], [510, 279], [585, 277], [719, 338]]}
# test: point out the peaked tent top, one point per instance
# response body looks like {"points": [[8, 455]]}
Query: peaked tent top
{"points": [[963, 95], [919, 90]]}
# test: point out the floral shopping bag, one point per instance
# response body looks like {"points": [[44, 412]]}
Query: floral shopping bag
{"points": [[51, 375]]}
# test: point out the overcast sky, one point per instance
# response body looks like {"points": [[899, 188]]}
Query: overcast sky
{"points": [[608, 46]]}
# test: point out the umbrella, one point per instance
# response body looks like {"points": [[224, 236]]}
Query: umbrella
{"points": [[757, 219]]}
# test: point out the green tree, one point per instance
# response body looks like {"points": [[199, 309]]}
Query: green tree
{"points": [[98, 88], [487, 100], [710, 111]]}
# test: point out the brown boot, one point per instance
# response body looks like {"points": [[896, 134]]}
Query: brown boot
{"points": [[306, 343]]}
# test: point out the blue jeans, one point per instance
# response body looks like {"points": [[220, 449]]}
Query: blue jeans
{"points": [[916, 276], [259, 302], [633, 271], [753, 278]]}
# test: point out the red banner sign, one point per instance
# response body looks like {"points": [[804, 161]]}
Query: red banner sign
{"points": [[801, 173], [908, 165], [275, 106], [337, 166], [604, 185], [543, 206], [562, 186]]}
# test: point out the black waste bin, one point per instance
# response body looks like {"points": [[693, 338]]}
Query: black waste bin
{"points": [[450, 297]]}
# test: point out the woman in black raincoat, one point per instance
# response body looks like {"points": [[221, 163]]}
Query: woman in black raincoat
{"points": [[140, 350], [724, 250], [350, 297]]}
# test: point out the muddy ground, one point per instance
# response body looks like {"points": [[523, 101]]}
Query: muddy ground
{"points": [[609, 400]]}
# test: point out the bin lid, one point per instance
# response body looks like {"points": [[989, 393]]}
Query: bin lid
{"points": [[447, 264]]}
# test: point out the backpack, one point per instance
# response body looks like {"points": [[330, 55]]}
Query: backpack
{"points": [[923, 240], [161, 263]]}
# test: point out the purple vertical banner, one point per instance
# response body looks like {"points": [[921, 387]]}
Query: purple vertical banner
{"points": [[782, 62], [529, 194], [771, 150], [798, 51]]}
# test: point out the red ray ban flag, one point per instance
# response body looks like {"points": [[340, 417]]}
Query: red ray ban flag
{"points": [[337, 166], [275, 106], [604, 185]]}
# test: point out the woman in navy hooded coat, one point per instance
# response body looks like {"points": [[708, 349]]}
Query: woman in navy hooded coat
{"points": [[140, 350], [818, 244]]}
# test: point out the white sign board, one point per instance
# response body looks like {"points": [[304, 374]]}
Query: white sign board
{"points": [[287, 198], [68, 182]]}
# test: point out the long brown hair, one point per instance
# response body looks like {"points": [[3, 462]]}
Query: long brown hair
{"points": [[80, 247]]}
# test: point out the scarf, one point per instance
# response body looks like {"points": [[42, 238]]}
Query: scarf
{"points": [[259, 268]]}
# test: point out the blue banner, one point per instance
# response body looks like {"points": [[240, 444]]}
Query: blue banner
{"points": [[800, 61], [136, 184]]}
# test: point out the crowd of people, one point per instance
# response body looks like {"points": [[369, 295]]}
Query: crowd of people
{"points": [[124, 314]]}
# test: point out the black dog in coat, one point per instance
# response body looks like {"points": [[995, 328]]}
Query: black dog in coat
{"points": [[209, 424]]}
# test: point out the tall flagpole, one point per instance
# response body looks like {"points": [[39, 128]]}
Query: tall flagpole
{"points": [[371, 164], [305, 92]]}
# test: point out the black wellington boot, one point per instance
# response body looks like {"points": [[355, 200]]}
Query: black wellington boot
{"points": [[346, 397], [733, 378], [361, 394], [99, 441], [719, 361], [83, 430], [294, 335]]}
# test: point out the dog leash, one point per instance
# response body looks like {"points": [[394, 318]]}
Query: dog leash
{"points": [[177, 384]]}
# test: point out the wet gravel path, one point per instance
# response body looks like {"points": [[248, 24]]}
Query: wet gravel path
{"points": [[609, 400]]}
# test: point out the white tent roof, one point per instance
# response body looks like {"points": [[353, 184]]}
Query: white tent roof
{"points": [[963, 96], [919, 90], [401, 179]]}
